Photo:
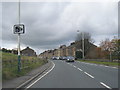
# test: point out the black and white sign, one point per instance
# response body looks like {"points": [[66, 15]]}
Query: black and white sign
{"points": [[19, 29]]}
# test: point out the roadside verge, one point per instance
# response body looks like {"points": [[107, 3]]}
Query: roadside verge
{"points": [[26, 79]]}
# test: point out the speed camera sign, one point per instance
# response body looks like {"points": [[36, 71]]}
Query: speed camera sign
{"points": [[19, 29]]}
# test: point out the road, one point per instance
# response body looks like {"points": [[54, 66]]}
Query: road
{"points": [[78, 75]]}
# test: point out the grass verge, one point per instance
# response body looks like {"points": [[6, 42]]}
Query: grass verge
{"points": [[10, 65], [103, 63]]}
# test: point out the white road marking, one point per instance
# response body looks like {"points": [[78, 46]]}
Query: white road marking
{"points": [[108, 66], [114, 67], [74, 66], [89, 75], [79, 69], [42, 76], [105, 85], [97, 65]]}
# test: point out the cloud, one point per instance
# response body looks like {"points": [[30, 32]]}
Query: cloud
{"points": [[51, 24]]}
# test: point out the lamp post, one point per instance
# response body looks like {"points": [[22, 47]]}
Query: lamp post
{"points": [[83, 45], [83, 54]]}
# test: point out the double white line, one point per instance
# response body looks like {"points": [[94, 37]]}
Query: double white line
{"points": [[41, 77]]}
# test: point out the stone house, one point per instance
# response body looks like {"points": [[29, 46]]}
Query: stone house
{"points": [[28, 52], [74, 49]]}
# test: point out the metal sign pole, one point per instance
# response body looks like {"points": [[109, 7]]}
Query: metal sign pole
{"points": [[19, 29], [19, 58]]}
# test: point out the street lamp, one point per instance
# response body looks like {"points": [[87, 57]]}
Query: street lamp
{"points": [[83, 54], [83, 44]]}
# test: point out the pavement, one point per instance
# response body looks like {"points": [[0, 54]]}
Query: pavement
{"points": [[24, 80], [77, 75]]}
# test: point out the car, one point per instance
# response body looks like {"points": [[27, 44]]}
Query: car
{"points": [[55, 58], [70, 59], [62, 58], [58, 58]]}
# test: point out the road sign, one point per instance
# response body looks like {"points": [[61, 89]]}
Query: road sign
{"points": [[19, 29]]}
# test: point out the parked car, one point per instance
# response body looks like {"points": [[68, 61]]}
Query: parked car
{"points": [[70, 59], [55, 58], [62, 58], [58, 58]]}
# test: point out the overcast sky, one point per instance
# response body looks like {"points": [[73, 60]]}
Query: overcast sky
{"points": [[51, 24]]}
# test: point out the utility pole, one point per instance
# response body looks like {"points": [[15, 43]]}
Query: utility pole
{"points": [[83, 45], [83, 54], [19, 57]]}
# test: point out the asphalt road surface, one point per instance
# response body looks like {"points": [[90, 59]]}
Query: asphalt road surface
{"points": [[78, 75]]}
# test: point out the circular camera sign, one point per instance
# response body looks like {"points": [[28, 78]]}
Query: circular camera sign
{"points": [[19, 29]]}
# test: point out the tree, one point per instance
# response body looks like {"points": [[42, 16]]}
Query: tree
{"points": [[112, 46], [86, 38], [85, 35]]}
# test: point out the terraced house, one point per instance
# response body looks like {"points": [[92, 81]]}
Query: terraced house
{"points": [[74, 49]]}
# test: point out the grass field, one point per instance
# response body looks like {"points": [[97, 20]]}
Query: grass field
{"points": [[10, 65], [103, 63]]}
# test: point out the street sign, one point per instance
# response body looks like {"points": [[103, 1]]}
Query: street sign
{"points": [[19, 29]]}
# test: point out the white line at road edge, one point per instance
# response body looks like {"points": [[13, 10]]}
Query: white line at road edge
{"points": [[89, 75], [42, 76], [105, 85]]}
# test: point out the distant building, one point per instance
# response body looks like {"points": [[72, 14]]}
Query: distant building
{"points": [[28, 52], [74, 49], [14, 51]]}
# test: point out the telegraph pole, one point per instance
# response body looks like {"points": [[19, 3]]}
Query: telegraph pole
{"points": [[83, 45]]}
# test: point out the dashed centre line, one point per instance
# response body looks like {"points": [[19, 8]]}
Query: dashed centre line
{"points": [[74, 66], [79, 69], [88, 74], [105, 85]]}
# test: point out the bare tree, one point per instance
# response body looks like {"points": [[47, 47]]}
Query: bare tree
{"points": [[84, 37], [87, 37]]}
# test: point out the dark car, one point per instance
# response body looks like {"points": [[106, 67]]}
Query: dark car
{"points": [[70, 59], [64, 58]]}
